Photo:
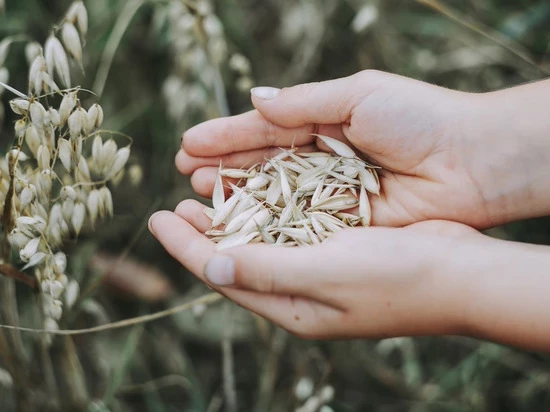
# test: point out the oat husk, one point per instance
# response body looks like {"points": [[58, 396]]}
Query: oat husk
{"points": [[294, 199]]}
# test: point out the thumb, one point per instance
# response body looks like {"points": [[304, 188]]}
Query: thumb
{"points": [[328, 102], [266, 268]]}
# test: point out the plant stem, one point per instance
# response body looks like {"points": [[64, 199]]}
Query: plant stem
{"points": [[14, 352], [125, 17], [230, 392], [13, 273]]}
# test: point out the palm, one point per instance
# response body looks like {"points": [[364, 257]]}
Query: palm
{"points": [[405, 126]]}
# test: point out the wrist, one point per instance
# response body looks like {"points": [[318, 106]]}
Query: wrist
{"points": [[501, 290], [507, 151]]}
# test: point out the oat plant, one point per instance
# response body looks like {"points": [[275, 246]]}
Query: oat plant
{"points": [[54, 182]]}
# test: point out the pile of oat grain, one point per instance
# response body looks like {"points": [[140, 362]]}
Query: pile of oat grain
{"points": [[294, 198]]}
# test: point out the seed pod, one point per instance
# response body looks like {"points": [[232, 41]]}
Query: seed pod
{"points": [[218, 195], [55, 238], [56, 214], [38, 67], [369, 181], [236, 239], [78, 16], [32, 51], [18, 154], [225, 209], [120, 160], [43, 157], [38, 114], [339, 147], [20, 106], [106, 200], [108, 153], [97, 147], [32, 138], [77, 149], [68, 209], [93, 205], [136, 174], [68, 103], [94, 118], [63, 279], [30, 249], [55, 309], [64, 226], [35, 260], [78, 216], [48, 83], [59, 262], [256, 183], [64, 153], [274, 192], [68, 192], [83, 170], [260, 218], [364, 207], [78, 123], [304, 388], [239, 221], [26, 197], [72, 292], [55, 120], [56, 58], [20, 127], [44, 186], [237, 173], [18, 239], [70, 38]]}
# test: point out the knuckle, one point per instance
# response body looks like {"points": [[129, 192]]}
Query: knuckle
{"points": [[269, 133], [304, 90], [183, 206]]}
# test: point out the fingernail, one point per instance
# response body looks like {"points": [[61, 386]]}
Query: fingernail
{"points": [[220, 270], [150, 223], [266, 93]]}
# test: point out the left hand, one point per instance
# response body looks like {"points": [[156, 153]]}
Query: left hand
{"points": [[362, 282]]}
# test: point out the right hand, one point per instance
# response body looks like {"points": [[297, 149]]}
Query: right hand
{"points": [[439, 153]]}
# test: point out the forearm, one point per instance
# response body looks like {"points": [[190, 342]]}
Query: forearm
{"points": [[508, 142], [504, 291]]}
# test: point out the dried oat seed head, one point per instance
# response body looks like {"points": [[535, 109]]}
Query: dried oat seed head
{"points": [[71, 40], [56, 59]]}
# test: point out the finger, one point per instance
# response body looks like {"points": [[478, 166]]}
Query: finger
{"points": [[442, 227], [248, 131], [268, 269], [187, 163], [203, 181], [328, 102], [193, 212], [193, 250], [182, 241], [303, 317]]}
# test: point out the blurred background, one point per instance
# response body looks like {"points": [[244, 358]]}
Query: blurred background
{"points": [[161, 66]]}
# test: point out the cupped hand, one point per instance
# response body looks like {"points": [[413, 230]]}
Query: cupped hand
{"points": [[414, 130], [364, 282]]}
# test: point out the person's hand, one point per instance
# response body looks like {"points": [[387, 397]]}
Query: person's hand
{"points": [[371, 282], [429, 278], [446, 154]]}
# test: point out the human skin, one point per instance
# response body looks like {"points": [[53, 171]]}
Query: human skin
{"points": [[471, 159]]}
